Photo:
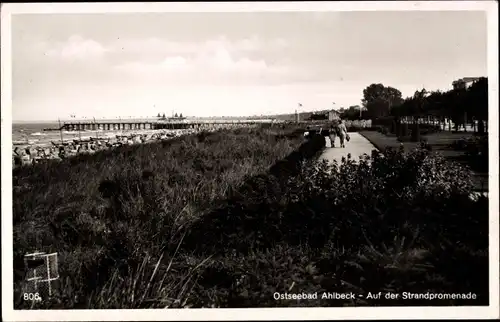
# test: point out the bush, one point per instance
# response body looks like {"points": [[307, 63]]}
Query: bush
{"points": [[383, 130], [398, 189], [429, 128], [316, 233], [398, 222], [477, 146], [426, 129], [476, 151], [311, 133], [459, 145]]}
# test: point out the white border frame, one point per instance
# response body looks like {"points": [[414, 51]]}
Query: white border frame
{"points": [[349, 313]]}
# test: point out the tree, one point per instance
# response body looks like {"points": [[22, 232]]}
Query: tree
{"points": [[379, 100], [352, 113], [459, 104], [478, 99], [158, 115], [415, 133], [176, 115], [479, 102], [180, 115], [419, 99], [434, 104], [163, 116]]}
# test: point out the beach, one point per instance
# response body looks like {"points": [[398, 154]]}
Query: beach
{"points": [[32, 144]]}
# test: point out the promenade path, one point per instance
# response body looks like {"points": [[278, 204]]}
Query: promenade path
{"points": [[358, 145]]}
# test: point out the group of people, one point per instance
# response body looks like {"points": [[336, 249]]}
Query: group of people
{"points": [[339, 130]]}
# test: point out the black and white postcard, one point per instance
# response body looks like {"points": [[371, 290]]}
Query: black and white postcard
{"points": [[249, 160]]}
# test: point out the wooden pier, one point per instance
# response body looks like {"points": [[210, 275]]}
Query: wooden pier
{"points": [[151, 125], [83, 126]]}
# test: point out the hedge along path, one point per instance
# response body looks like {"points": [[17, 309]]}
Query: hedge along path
{"points": [[437, 141], [357, 146]]}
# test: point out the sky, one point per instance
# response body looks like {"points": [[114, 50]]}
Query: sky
{"points": [[233, 64]]}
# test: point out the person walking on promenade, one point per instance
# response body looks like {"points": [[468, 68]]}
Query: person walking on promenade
{"points": [[342, 133], [334, 130]]}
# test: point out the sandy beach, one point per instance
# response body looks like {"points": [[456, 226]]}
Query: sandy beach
{"points": [[41, 146]]}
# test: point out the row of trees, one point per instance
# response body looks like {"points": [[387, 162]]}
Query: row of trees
{"points": [[461, 105], [354, 112]]}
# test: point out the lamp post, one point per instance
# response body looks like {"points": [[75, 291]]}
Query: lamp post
{"points": [[60, 129], [297, 118]]}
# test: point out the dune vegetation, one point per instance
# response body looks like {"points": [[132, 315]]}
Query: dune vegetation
{"points": [[232, 218]]}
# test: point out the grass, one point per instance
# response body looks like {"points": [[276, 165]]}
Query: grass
{"points": [[164, 186], [229, 219], [383, 141]]}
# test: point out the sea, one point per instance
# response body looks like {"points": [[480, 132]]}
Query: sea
{"points": [[33, 134]]}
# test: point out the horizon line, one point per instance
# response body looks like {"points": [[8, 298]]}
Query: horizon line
{"points": [[118, 118]]}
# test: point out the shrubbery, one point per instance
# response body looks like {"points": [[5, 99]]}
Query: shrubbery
{"points": [[403, 132], [394, 221], [476, 151], [429, 128], [389, 222]]}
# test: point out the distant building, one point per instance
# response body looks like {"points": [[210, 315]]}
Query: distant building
{"points": [[333, 115], [465, 82]]}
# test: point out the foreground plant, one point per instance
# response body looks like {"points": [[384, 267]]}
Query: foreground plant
{"points": [[391, 222]]}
